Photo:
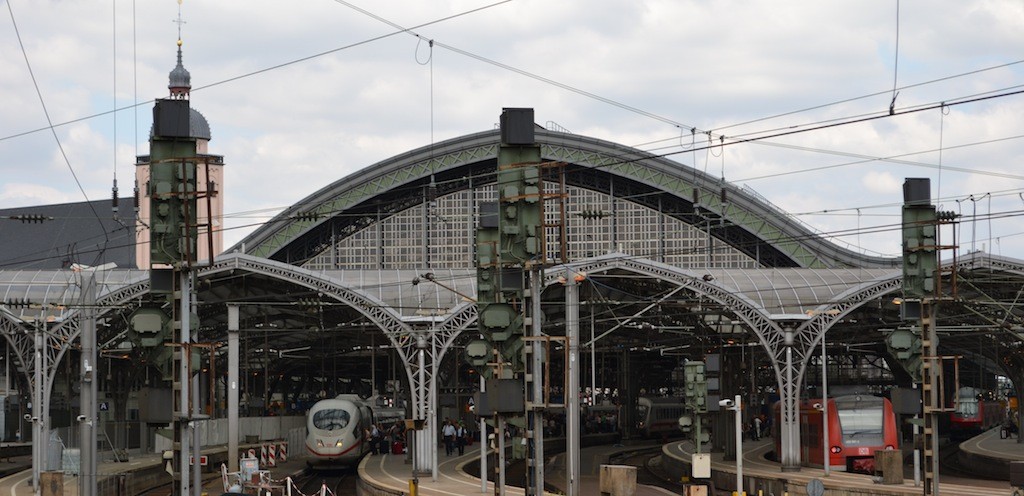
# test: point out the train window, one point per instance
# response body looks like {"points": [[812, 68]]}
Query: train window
{"points": [[861, 420], [330, 420]]}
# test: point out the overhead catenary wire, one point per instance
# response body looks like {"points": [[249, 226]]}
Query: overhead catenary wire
{"points": [[896, 62], [721, 139], [50, 126], [410, 31], [256, 72], [892, 227]]}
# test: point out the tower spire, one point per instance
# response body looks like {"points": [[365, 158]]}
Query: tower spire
{"points": [[180, 80], [179, 22]]}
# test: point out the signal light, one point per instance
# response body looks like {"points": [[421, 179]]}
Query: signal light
{"points": [[836, 450]]}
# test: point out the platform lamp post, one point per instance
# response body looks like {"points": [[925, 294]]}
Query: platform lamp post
{"points": [[37, 419], [824, 407], [736, 405]]}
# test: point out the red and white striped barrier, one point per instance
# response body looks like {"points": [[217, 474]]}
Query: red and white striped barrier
{"points": [[252, 453], [263, 455], [271, 455], [282, 452]]}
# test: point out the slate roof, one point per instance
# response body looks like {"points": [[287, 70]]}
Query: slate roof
{"points": [[76, 234]]}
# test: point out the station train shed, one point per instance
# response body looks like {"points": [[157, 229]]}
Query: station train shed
{"points": [[368, 284]]}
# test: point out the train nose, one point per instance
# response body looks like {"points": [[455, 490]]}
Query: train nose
{"points": [[329, 443]]}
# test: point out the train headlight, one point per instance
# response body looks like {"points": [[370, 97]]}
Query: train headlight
{"points": [[338, 444], [889, 447], [836, 449], [319, 443]]}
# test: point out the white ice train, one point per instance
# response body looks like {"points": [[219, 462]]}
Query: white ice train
{"points": [[335, 428], [658, 416]]}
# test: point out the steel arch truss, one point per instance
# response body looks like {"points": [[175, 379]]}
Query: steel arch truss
{"points": [[58, 340], [422, 350], [808, 336], [789, 370]]}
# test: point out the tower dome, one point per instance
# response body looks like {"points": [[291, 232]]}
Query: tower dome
{"points": [[180, 80]]}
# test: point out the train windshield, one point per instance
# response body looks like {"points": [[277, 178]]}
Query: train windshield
{"points": [[330, 420], [861, 420]]}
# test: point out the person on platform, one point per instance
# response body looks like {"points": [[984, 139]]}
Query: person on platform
{"points": [[448, 432], [368, 438], [385, 440], [460, 438], [1009, 426], [375, 436]]}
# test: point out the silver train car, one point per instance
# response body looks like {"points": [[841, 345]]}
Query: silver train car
{"points": [[336, 427]]}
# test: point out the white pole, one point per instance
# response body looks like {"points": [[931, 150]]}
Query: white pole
{"points": [[572, 393], [593, 360], [432, 406], [422, 436], [483, 441], [824, 407], [739, 443], [232, 389], [38, 443]]}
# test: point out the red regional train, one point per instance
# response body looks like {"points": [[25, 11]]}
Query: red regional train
{"points": [[972, 415], [858, 425]]}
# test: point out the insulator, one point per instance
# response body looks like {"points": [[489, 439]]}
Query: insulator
{"points": [[114, 199]]}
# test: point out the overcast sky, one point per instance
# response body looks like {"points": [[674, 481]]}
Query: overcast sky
{"points": [[656, 68]]}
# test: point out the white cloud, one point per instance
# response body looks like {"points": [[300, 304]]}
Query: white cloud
{"points": [[882, 183]]}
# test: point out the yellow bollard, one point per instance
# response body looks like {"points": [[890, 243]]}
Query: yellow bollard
{"points": [[414, 486]]}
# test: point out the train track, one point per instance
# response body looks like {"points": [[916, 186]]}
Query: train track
{"points": [[327, 482]]}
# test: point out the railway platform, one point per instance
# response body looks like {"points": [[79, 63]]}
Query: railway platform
{"points": [[145, 470], [990, 454], [759, 473], [389, 474]]}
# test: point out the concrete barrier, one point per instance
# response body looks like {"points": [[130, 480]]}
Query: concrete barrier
{"points": [[617, 480]]}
